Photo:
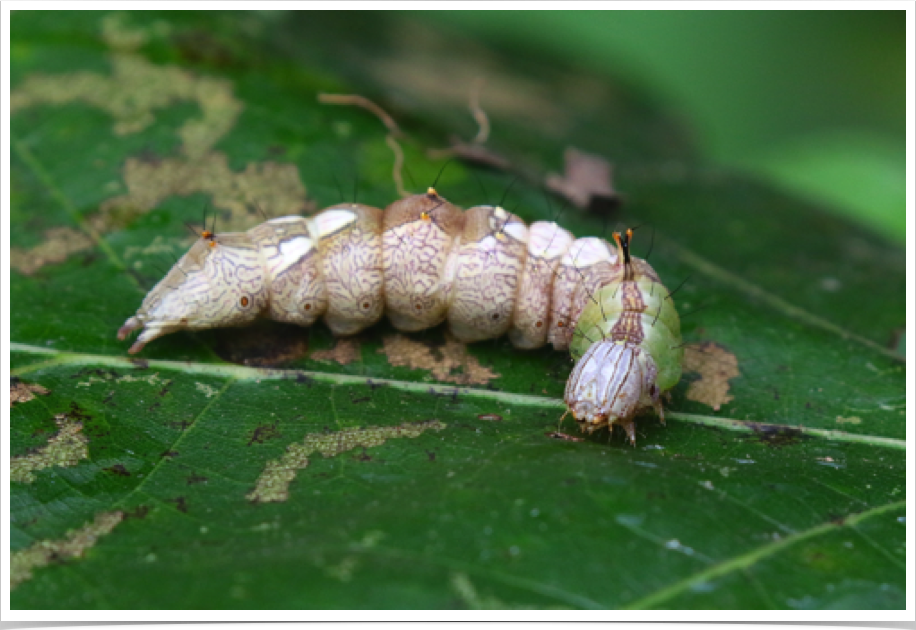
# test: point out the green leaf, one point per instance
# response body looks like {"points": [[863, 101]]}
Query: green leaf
{"points": [[180, 479]]}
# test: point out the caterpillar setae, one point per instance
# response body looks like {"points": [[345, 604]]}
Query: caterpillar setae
{"points": [[423, 261]]}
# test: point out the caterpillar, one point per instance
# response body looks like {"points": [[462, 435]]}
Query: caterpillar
{"points": [[423, 261]]}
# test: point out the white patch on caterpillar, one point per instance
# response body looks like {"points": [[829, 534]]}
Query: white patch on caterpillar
{"points": [[331, 221], [282, 220], [291, 252], [587, 251], [548, 240], [518, 231]]}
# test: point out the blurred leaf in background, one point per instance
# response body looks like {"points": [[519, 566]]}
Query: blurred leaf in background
{"points": [[812, 101]]}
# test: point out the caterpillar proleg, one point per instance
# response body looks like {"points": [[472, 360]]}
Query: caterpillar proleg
{"points": [[423, 261]]}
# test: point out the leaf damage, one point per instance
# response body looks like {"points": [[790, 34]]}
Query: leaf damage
{"points": [[66, 448], [137, 88], [24, 392], [403, 351], [273, 483], [58, 244], [849, 420], [716, 366], [73, 545], [103, 376], [206, 390], [776, 435], [345, 351], [131, 94]]}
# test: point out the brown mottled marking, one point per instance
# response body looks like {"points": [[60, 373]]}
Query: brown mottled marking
{"points": [[716, 366], [352, 259], [418, 236], [403, 351], [66, 448], [273, 484], [345, 351], [583, 254], [629, 325], [23, 392], [73, 545], [547, 243], [489, 262]]}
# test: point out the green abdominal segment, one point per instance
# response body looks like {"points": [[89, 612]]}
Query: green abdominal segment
{"points": [[639, 312]]}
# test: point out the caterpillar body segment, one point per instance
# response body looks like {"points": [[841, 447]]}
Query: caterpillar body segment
{"points": [[423, 261], [418, 238], [636, 354], [532, 320]]}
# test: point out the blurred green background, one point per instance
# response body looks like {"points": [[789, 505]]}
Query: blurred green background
{"points": [[812, 102]]}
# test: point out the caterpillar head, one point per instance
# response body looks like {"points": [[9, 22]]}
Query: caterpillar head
{"points": [[610, 384], [214, 284]]}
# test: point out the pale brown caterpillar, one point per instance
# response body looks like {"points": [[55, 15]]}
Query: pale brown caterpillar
{"points": [[423, 261]]}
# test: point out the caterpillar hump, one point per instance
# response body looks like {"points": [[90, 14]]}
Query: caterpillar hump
{"points": [[423, 261]]}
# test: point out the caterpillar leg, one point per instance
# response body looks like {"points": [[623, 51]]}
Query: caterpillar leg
{"points": [[657, 404]]}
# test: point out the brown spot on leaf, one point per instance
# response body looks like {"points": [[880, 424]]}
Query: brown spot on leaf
{"points": [[135, 90], [274, 187], [716, 366], [273, 484], [404, 351], [263, 433], [194, 478], [345, 351], [67, 448], [73, 545], [363, 456], [118, 469], [777, 435], [586, 177], [132, 94], [23, 392], [57, 245], [139, 512], [490, 417]]}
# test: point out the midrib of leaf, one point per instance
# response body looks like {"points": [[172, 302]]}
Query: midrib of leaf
{"points": [[238, 372], [748, 559]]}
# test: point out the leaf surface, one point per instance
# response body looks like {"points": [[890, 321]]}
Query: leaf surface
{"points": [[438, 493]]}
